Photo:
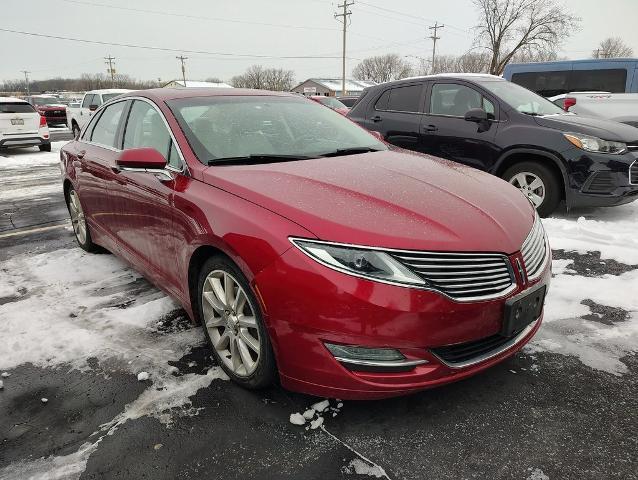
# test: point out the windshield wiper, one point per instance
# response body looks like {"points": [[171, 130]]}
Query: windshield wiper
{"points": [[349, 151], [256, 158]]}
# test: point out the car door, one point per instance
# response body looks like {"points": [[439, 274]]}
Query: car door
{"points": [[445, 132], [397, 115], [143, 200], [94, 157], [85, 111]]}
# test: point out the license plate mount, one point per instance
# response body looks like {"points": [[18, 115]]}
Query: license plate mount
{"points": [[523, 309], [17, 121]]}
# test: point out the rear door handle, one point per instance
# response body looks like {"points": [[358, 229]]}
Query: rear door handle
{"points": [[430, 128], [376, 118]]}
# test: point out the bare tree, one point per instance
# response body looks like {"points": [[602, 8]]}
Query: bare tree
{"points": [[382, 68], [445, 64], [528, 55], [264, 78], [473, 62], [612, 47], [507, 26]]}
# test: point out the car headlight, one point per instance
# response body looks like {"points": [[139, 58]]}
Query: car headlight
{"points": [[595, 144], [359, 261]]}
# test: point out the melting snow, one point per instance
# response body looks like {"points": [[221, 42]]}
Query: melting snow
{"points": [[359, 467]]}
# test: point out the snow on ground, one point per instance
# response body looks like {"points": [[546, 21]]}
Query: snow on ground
{"points": [[19, 158]]}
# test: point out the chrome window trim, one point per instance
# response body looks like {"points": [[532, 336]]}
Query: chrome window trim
{"points": [[184, 170], [633, 181], [492, 353], [477, 298]]}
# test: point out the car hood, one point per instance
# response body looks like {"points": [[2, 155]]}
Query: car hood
{"points": [[392, 199], [598, 127]]}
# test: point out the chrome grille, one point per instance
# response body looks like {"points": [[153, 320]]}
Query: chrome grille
{"points": [[633, 173], [462, 276], [534, 251]]}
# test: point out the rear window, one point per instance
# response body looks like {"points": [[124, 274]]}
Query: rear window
{"points": [[401, 99], [16, 107], [549, 84]]}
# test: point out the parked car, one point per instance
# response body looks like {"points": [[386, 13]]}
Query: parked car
{"points": [[307, 248], [50, 107], [615, 75], [330, 102], [619, 107], [500, 127], [78, 117], [349, 100], [22, 126]]}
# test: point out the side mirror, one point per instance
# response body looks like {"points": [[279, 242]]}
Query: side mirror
{"points": [[377, 135], [141, 158], [93, 107], [477, 115]]}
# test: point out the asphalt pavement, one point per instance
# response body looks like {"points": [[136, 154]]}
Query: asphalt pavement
{"points": [[537, 416]]}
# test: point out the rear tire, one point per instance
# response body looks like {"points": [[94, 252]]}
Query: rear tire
{"points": [[233, 324], [45, 148], [75, 128], [538, 183], [78, 220]]}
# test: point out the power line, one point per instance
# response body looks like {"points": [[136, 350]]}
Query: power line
{"points": [[434, 39], [344, 20], [163, 49]]}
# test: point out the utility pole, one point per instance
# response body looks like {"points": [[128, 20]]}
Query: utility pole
{"points": [[344, 19], [111, 70], [26, 79], [434, 39], [181, 58]]}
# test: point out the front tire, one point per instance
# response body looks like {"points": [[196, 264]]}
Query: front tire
{"points": [[78, 220], [538, 183], [234, 325], [45, 148]]}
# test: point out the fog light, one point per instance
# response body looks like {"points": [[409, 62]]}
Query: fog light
{"points": [[372, 359], [348, 352]]}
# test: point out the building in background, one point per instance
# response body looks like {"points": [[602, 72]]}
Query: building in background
{"points": [[331, 87], [195, 84]]}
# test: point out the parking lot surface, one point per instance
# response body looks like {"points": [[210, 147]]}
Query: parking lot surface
{"points": [[81, 333]]}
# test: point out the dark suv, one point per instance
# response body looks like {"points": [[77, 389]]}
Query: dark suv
{"points": [[498, 126]]}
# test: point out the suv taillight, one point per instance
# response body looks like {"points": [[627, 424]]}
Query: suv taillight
{"points": [[43, 121], [568, 103]]}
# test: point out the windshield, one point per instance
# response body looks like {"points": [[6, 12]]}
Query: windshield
{"points": [[46, 100], [107, 96], [331, 102], [225, 127], [521, 99]]}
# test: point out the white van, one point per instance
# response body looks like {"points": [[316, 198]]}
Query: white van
{"points": [[22, 126]]}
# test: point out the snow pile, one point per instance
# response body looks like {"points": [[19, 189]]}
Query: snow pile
{"points": [[359, 467], [314, 414], [537, 474], [142, 376]]}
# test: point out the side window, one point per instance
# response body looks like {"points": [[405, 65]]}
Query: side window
{"points": [[454, 100], [610, 80], [87, 100], [146, 128], [547, 84], [105, 129], [97, 100], [382, 103], [489, 108], [405, 99]]}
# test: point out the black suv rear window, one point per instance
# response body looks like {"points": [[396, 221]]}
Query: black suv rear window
{"points": [[16, 107]]}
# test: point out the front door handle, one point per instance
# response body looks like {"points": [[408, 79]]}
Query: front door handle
{"points": [[81, 154], [376, 119], [430, 128]]}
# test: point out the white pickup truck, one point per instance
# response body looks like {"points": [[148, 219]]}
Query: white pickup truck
{"points": [[620, 107], [78, 117]]}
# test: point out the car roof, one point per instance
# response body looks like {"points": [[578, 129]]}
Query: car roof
{"points": [[110, 90], [12, 100], [457, 76], [164, 94]]}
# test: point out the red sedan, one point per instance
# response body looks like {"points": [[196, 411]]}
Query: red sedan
{"points": [[309, 250], [330, 102]]}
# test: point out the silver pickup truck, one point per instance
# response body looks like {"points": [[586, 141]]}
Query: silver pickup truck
{"points": [[620, 107]]}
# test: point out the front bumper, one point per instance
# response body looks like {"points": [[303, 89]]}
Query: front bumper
{"points": [[600, 180], [307, 305]]}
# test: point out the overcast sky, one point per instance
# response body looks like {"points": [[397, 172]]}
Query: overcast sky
{"points": [[277, 28]]}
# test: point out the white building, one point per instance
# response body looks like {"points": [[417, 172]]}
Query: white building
{"points": [[331, 87]]}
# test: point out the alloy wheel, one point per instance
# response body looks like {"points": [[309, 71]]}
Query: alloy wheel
{"points": [[531, 185], [231, 323], [77, 217]]}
